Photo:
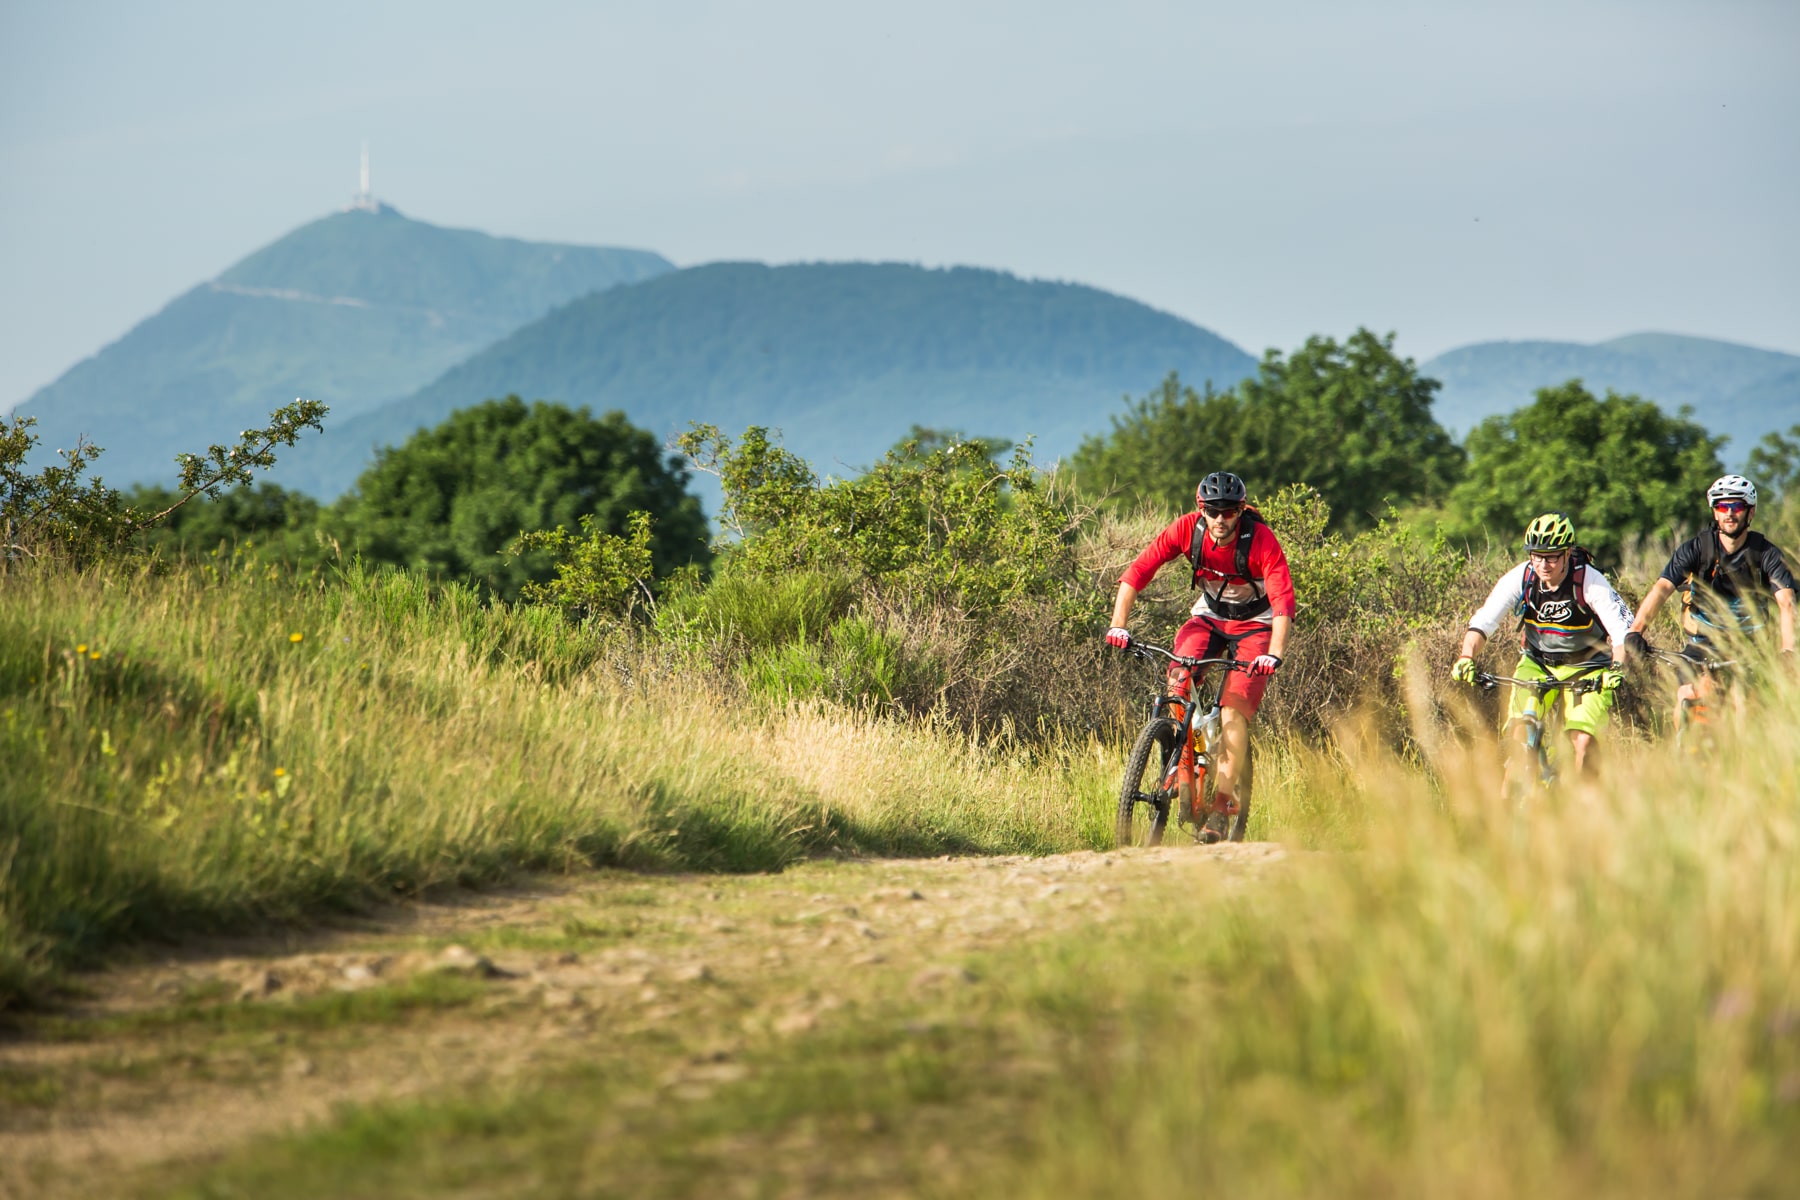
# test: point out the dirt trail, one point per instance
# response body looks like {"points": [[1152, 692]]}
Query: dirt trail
{"points": [[665, 976]]}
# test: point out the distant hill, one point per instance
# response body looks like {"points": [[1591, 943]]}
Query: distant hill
{"points": [[843, 357], [1735, 390], [356, 309]]}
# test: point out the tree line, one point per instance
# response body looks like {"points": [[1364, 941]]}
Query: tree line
{"points": [[1351, 420], [1354, 421]]}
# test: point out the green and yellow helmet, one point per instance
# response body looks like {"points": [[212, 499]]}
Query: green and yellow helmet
{"points": [[1548, 533]]}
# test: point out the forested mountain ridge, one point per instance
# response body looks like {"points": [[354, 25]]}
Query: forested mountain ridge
{"points": [[355, 309], [843, 357], [1735, 390]]}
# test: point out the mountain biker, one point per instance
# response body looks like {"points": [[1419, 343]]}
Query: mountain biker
{"points": [[1569, 618], [1245, 607], [1727, 575]]}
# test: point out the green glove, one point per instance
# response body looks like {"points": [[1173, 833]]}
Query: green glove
{"points": [[1463, 671], [1611, 679]]}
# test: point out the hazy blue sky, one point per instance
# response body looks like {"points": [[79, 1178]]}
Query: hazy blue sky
{"points": [[1456, 172]]}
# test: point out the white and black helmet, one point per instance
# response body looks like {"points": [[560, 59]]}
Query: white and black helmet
{"points": [[1732, 487]]}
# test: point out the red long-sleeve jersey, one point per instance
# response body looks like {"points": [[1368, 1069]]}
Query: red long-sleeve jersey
{"points": [[1218, 567]]}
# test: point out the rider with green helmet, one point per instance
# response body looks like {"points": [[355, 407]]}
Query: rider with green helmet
{"points": [[1569, 618]]}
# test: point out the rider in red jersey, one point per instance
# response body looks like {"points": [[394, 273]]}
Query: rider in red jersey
{"points": [[1245, 606]]}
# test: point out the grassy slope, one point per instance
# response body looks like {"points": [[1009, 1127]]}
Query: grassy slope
{"points": [[176, 762], [1596, 996]]}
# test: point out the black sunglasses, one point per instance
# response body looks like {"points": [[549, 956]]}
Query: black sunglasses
{"points": [[1222, 510]]}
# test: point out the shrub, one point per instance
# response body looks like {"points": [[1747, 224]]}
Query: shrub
{"points": [[751, 611], [953, 566], [594, 575], [58, 513]]}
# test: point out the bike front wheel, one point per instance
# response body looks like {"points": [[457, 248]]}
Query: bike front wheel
{"points": [[1144, 810]]}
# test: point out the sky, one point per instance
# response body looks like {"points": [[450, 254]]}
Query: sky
{"points": [[1452, 172]]}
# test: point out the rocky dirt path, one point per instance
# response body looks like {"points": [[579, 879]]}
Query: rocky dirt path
{"points": [[663, 979]]}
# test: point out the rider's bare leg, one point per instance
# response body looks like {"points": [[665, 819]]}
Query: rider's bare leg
{"points": [[1582, 743], [1234, 756]]}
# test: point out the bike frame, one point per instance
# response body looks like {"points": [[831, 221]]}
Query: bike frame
{"points": [[1205, 687], [1694, 711]]}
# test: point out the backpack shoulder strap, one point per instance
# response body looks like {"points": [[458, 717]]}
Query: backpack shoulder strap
{"points": [[1246, 534], [1706, 567]]}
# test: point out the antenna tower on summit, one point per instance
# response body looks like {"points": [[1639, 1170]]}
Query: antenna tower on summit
{"points": [[364, 200]]}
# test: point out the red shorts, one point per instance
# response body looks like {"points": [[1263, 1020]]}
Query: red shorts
{"points": [[1210, 637]]}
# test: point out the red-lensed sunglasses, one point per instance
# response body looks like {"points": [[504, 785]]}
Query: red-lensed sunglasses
{"points": [[1731, 506], [1222, 510]]}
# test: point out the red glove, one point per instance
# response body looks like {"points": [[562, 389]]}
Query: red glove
{"points": [[1119, 638], [1264, 664]]}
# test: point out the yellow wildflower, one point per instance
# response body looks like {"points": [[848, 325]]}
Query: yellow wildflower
{"points": [[94, 654], [296, 636], [81, 649], [280, 771]]}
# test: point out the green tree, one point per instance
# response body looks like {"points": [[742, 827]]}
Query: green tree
{"points": [[1352, 421], [1775, 466], [1162, 446], [279, 523], [1619, 467], [451, 499]]}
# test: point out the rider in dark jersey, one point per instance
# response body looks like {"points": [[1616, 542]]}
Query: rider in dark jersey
{"points": [[1729, 575]]}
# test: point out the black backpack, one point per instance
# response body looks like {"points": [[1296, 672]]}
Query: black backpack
{"points": [[1706, 570], [1230, 610]]}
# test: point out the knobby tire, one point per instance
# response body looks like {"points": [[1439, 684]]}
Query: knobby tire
{"points": [[1154, 750]]}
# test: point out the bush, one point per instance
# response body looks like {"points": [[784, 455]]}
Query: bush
{"points": [[57, 513], [959, 575], [750, 612]]}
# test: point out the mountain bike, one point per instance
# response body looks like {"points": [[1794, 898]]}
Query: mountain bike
{"points": [[1176, 748], [1693, 717], [1542, 720]]}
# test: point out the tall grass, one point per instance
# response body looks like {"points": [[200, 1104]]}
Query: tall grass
{"points": [[1598, 993], [1594, 994], [198, 750]]}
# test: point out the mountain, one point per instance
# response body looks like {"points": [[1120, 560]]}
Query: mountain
{"points": [[356, 309], [1734, 390], [843, 357]]}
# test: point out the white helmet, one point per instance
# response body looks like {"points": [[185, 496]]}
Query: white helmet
{"points": [[1732, 487]]}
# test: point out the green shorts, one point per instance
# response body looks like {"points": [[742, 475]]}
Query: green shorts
{"points": [[1587, 713]]}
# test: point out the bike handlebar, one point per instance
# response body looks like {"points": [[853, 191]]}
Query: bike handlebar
{"points": [[1674, 659], [1138, 649], [1581, 682]]}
